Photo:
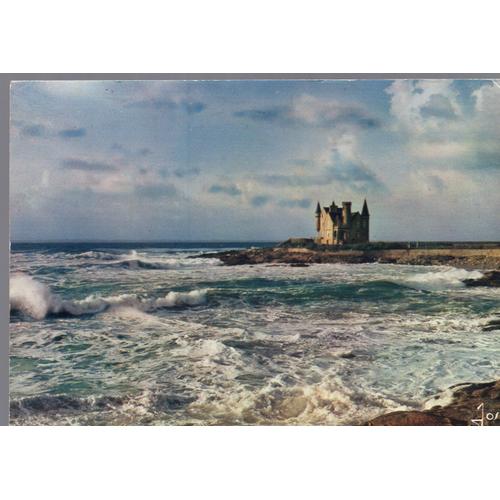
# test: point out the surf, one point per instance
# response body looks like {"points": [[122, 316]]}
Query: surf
{"points": [[36, 300], [441, 279]]}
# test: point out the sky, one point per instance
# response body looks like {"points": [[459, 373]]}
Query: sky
{"points": [[248, 160]]}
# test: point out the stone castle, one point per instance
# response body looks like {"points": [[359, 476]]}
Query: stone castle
{"points": [[339, 226]]}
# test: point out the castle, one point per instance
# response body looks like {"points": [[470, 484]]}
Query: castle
{"points": [[338, 226]]}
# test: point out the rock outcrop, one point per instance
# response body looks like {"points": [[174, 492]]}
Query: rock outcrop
{"points": [[489, 278], [472, 404], [468, 258]]}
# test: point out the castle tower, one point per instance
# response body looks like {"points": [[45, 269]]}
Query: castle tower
{"points": [[318, 217], [346, 213], [364, 212], [365, 223]]}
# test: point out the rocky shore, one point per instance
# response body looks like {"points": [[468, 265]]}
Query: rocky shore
{"points": [[468, 404], [468, 258], [471, 404]]}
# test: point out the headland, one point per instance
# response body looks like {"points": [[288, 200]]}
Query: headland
{"points": [[302, 252]]}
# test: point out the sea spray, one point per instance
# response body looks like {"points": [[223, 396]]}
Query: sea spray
{"points": [[30, 296], [36, 300], [139, 261], [442, 279]]}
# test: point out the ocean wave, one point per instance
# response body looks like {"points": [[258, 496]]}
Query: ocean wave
{"points": [[37, 301], [47, 405], [93, 254], [48, 409], [440, 280], [159, 265], [134, 260]]}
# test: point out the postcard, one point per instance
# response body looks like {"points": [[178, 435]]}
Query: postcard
{"points": [[255, 252]]}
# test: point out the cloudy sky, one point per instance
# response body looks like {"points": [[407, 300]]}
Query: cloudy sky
{"points": [[247, 160]]}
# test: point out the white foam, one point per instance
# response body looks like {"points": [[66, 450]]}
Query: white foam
{"points": [[36, 300], [443, 279], [133, 314], [201, 348], [93, 254], [29, 296], [141, 260], [192, 298]]}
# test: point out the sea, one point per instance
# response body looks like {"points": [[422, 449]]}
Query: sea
{"points": [[158, 334]]}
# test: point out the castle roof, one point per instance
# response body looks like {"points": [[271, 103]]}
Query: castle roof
{"points": [[365, 209]]}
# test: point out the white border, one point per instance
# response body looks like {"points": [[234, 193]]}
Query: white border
{"points": [[250, 463], [223, 36], [259, 36]]}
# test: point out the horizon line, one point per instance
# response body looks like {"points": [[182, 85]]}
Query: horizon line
{"points": [[240, 241]]}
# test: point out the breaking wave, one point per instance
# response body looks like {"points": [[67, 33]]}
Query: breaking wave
{"points": [[133, 260], [94, 254], [37, 301], [439, 280]]}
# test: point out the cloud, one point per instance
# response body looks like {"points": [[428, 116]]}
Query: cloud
{"points": [[192, 107], [421, 107], [132, 153], [186, 172], [229, 189], [301, 162], [156, 191], [33, 130], [260, 200], [295, 203], [290, 180], [438, 106], [309, 111], [88, 166], [168, 104], [438, 127], [437, 183], [156, 103], [144, 152], [270, 114], [439, 149], [484, 160], [71, 133], [39, 130], [357, 177]]}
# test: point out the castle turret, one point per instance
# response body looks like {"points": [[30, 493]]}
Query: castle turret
{"points": [[346, 212], [365, 223], [318, 215], [364, 212]]}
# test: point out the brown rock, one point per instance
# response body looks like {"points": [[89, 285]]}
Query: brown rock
{"points": [[472, 404], [405, 418], [385, 253]]}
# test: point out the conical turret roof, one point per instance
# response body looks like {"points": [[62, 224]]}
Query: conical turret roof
{"points": [[318, 208], [365, 209]]}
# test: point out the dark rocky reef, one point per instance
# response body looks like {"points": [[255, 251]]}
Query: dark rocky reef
{"points": [[472, 404], [493, 324], [489, 278], [301, 252], [298, 257]]}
